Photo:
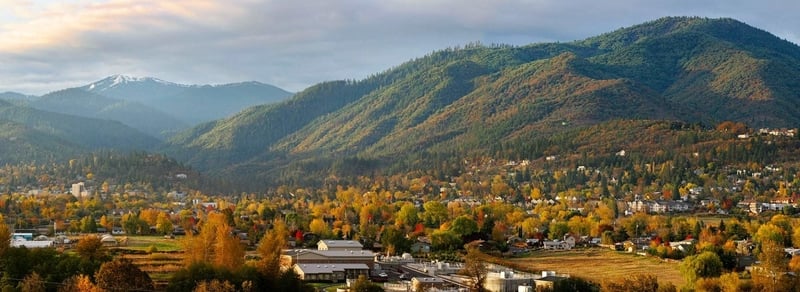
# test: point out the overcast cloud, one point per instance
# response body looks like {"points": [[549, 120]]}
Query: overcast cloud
{"points": [[47, 45]]}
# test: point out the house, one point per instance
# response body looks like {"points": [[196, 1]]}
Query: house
{"points": [[330, 272], [556, 245]]}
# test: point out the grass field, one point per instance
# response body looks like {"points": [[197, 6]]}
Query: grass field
{"points": [[145, 242], [599, 264]]}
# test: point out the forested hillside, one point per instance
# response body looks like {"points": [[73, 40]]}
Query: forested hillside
{"points": [[31, 134], [81, 103], [469, 101]]}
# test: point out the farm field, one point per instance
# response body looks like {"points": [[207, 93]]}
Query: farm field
{"points": [[599, 264], [159, 257], [145, 243]]}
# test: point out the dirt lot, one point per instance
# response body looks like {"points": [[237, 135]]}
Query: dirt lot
{"points": [[599, 264]]}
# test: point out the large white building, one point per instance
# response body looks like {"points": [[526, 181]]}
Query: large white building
{"points": [[339, 245], [79, 190], [330, 272]]}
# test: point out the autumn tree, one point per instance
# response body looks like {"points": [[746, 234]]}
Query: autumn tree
{"points": [[407, 215], [475, 270], [122, 275], [163, 223], [704, 265], [214, 244], [215, 286], [32, 283], [633, 283], [5, 236], [270, 247], [79, 283], [435, 213], [463, 226], [90, 247]]}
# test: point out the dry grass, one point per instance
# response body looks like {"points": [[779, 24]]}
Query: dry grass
{"points": [[599, 264]]}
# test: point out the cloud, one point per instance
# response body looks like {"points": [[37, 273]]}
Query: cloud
{"points": [[293, 44]]}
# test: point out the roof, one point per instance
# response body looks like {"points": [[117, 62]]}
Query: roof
{"points": [[550, 279], [427, 280], [341, 244], [31, 244], [328, 268], [330, 253], [345, 253]]}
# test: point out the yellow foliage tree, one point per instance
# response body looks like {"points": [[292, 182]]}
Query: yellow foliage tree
{"points": [[214, 244], [270, 249]]}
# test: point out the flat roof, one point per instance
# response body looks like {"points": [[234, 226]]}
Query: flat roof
{"points": [[341, 243], [312, 268]]}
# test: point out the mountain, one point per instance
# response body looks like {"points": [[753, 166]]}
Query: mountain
{"points": [[31, 134], [191, 104], [78, 102], [478, 100], [10, 95]]}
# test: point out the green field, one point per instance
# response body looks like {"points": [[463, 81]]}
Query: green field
{"points": [[597, 265], [145, 242]]}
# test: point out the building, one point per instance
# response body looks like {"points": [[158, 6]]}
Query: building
{"points": [[79, 190], [339, 245], [507, 281], [330, 272], [292, 257], [548, 279]]}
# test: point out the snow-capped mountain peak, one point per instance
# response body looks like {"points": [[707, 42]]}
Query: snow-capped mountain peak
{"points": [[114, 81]]}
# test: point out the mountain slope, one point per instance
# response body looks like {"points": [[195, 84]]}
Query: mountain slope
{"points": [[20, 143], [78, 132], [78, 102], [470, 100], [191, 104]]}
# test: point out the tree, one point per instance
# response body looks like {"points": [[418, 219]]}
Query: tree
{"points": [[394, 240], [407, 215], [362, 284], [435, 213], [215, 244], [270, 247], [32, 283], [319, 227], [773, 262], [90, 247], [445, 240], [634, 283], [214, 286], [704, 265], [79, 283], [475, 269], [557, 230], [163, 223], [122, 275], [5, 237], [88, 225], [730, 282], [463, 226]]}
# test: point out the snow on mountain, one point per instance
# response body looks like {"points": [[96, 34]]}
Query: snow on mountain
{"points": [[118, 80]]}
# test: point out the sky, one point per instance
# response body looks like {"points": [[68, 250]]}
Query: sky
{"points": [[48, 45]]}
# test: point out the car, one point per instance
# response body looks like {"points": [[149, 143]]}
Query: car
{"points": [[383, 275], [403, 276]]}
